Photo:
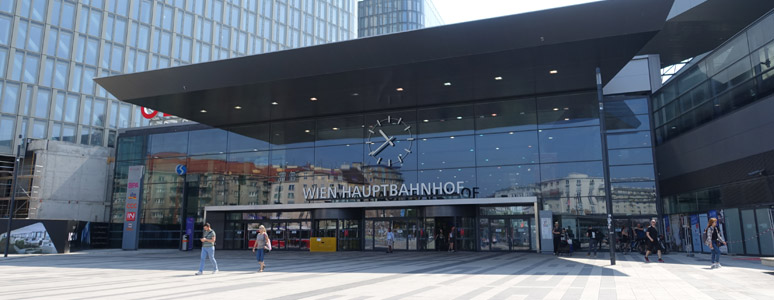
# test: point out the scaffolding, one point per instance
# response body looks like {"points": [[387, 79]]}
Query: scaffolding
{"points": [[24, 183]]}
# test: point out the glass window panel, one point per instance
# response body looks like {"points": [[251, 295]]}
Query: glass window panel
{"points": [[631, 156], [691, 78], [27, 101], [249, 163], [727, 54], [68, 133], [117, 58], [51, 43], [207, 141], [629, 140], [7, 6], [551, 173], [64, 45], [568, 110], [559, 145], [85, 135], [345, 130], [3, 60], [447, 152], [503, 116], [750, 231], [35, 38], [343, 158], [86, 115], [21, 34], [733, 76], [10, 98], [42, 103], [31, 68], [95, 23], [207, 166], [56, 131], [131, 148], [292, 158], [762, 58], [7, 126], [632, 173], [88, 80], [123, 115], [113, 115], [98, 115], [109, 28], [5, 29], [68, 16], [508, 181], [120, 30], [446, 121], [292, 134], [112, 139], [59, 106], [71, 109], [91, 51], [507, 148], [626, 123], [169, 144], [39, 129], [18, 61], [466, 175], [248, 138], [162, 170]]}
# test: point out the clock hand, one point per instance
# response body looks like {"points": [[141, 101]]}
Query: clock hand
{"points": [[389, 140], [381, 147]]}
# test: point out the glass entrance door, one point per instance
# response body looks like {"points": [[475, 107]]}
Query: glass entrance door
{"points": [[277, 235], [349, 235], [380, 235], [521, 234], [500, 240], [298, 235]]}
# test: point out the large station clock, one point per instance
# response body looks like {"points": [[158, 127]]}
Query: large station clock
{"points": [[383, 136]]}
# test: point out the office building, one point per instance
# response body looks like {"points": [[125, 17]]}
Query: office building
{"points": [[377, 17]]}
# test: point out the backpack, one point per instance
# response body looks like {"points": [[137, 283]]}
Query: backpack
{"points": [[704, 237]]}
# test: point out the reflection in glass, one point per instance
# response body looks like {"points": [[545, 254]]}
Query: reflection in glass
{"points": [[292, 158], [209, 141], [508, 181], [631, 156], [512, 115], [466, 175], [632, 173], [338, 131], [207, 166], [626, 123], [162, 170], [568, 110], [506, 148], [446, 121], [570, 144], [555, 172], [292, 134], [629, 140], [339, 157], [402, 150], [447, 152], [169, 144], [248, 138]]}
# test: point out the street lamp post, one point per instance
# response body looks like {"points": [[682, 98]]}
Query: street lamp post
{"points": [[16, 165]]}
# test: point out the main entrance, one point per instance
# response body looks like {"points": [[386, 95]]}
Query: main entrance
{"points": [[507, 234], [284, 235]]}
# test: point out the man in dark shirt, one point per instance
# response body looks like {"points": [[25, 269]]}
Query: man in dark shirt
{"points": [[653, 246]]}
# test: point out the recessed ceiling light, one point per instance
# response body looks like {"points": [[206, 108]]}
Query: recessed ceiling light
{"points": [[566, 119], [510, 132], [203, 111], [566, 108], [447, 83], [553, 72], [355, 94], [274, 103], [459, 118], [556, 108], [451, 137], [237, 107], [498, 78], [425, 121], [399, 89], [307, 131], [494, 115], [313, 99], [335, 128]]}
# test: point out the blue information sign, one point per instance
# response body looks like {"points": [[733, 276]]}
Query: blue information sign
{"points": [[180, 170]]}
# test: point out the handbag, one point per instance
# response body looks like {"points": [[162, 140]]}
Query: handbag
{"points": [[268, 244]]}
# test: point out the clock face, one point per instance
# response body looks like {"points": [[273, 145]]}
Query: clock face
{"points": [[383, 143]]}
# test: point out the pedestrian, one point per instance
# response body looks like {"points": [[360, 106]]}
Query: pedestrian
{"points": [[713, 240], [557, 232], [390, 240], [208, 248], [653, 245], [625, 240], [451, 239], [262, 242], [440, 238], [594, 238]]}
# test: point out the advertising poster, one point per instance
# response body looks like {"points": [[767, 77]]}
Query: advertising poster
{"points": [[30, 239], [132, 210], [703, 221], [695, 233]]}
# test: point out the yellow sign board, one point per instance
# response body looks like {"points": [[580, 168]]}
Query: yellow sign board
{"points": [[322, 244]]}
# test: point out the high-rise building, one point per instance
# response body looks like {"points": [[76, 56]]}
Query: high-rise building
{"points": [[50, 50], [376, 17]]}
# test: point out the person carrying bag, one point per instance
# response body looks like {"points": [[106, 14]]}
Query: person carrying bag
{"points": [[262, 243]]}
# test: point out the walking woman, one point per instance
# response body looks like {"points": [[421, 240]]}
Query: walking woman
{"points": [[262, 243], [714, 239]]}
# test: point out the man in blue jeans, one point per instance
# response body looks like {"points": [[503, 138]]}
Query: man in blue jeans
{"points": [[208, 249], [594, 239]]}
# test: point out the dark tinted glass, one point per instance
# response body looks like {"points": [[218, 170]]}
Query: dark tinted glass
{"points": [[629, 140], [568, 110], [513, 115], [631, 190], [207, 166], [506, 148], [393, 124], [337, 131], [570, 144], [210, 141], [248, 138], [447, 152], [292, 158], [630, 156], [249, 163], [392, 154], [636, 106], [627, 123], [446, 121], [466, 175], [162, 170], [169, 144], [292, 134], [343, 157], [508, 181], [131, 148]]}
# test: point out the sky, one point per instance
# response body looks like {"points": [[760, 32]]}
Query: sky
{"points": [[456, 11]]}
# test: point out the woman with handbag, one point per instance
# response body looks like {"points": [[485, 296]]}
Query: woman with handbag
{"points": [[714, 239], [262, 243]]}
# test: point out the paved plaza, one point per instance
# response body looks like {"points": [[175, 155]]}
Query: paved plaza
{"points": [[169, 274]]}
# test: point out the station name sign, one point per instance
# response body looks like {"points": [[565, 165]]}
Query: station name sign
{"points": [[390, 190]]}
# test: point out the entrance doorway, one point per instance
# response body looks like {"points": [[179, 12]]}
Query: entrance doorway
{"points": [[284, 235], [506, 234]]}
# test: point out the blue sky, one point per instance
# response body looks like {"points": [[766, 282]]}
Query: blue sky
{"points": [[456, 11]]}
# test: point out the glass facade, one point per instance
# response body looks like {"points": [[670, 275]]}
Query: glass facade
{"points": [[377, 17], [732, 76], [50, 50], [546, 147]]}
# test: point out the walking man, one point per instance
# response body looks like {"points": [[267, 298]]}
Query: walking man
{"points": [[390, 240], [208, 249], [653, 245], [594, 238]]}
